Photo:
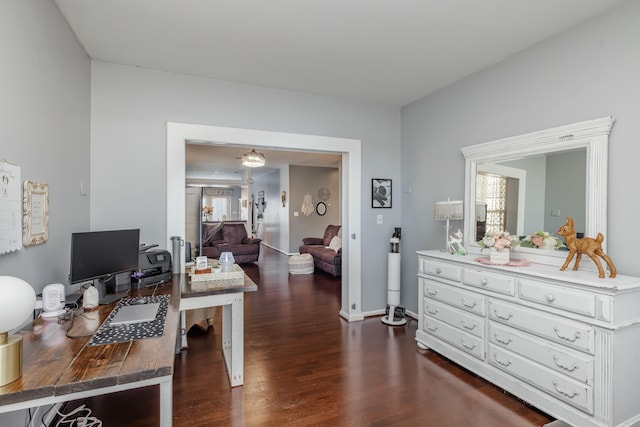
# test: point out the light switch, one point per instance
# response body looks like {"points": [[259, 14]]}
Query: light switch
{"points": [[379, 219], [555, 212], [296, 213]]}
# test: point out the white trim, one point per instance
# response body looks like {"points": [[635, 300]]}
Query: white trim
{"points": [[179, 133], [591, 134]]}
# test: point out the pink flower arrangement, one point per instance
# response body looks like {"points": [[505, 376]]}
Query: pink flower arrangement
{"points": [[499, 240], [542, 240]]}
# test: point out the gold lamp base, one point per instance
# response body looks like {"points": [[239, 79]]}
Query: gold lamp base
{"points": [[10, 358]]}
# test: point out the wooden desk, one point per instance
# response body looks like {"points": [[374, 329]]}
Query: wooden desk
{"points": [[231, 298], [58, 369]]}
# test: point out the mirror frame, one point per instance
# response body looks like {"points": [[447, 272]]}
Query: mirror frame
{"points": [[592, 135]]}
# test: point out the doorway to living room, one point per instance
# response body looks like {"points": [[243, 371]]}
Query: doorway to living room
{"points": [[179, 133]]}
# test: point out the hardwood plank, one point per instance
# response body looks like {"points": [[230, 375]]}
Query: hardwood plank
{"points": [[306, 366]]}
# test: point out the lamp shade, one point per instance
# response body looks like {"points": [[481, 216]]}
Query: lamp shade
{"points": [[17, 301], [253, 159], [451, 209]]}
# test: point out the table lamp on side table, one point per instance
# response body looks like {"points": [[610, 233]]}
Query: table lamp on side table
{"points": [[17, 301]]}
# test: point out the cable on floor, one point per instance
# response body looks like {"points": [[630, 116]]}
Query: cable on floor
{"points": [[79, 417]]}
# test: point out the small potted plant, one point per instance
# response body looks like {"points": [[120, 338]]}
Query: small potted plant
{"points": [[500, 244]]}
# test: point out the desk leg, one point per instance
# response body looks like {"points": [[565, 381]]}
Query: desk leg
{"points": [[233, 339], [183, 329], [166, 403]]}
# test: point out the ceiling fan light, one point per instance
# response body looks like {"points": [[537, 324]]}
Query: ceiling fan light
{"points": [[253, 159]]}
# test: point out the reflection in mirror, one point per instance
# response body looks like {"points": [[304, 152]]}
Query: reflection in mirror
{"points": [[532, 182], [534, 193]]}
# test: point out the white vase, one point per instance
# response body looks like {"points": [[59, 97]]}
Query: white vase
{"points": [[499, 257]]}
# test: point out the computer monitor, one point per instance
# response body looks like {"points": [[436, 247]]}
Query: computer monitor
{"points": [[107, 258]]}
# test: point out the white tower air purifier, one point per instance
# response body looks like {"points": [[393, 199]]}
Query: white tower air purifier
{"points": [[393, 282]]}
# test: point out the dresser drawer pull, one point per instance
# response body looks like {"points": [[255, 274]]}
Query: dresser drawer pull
{"points": [[432, 291], [438, 270], [469, 304], [502, 316], [469, 326], [484, 281], [504, 341], [432, 328], [550, 298], [468, 346], [576, 335], [570, 395], [570, 367], [432, 311], [501, 362]]}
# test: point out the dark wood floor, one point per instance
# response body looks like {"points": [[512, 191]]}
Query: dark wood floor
{"points": [[306, 366]]}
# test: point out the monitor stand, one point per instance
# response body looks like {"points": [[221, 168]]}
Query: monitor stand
{"points": [[106, 294]]}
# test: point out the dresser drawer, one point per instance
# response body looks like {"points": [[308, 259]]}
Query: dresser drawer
{"points": [[564, 331], [562, 360], [574, 393], [462, 320], [465, 342], [555, 296], [439, 269], [500, 283], [468, 301]]}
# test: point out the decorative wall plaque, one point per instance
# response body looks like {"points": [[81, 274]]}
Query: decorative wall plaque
{"points": [[35, 224]]}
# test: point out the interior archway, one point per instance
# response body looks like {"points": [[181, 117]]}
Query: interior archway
{"points": [[179, 133]]}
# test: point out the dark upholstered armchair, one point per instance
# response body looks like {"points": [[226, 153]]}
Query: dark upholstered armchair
{"points": [[326, 251], [229, 237]]}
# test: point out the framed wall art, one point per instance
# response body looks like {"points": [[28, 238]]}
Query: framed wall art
{"points": [[35, 224], [380, 193]]}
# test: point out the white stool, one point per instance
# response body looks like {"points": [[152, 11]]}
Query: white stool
{"points": [[301, 264]]}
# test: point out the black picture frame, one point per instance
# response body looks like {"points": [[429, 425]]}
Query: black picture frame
{"points": [[321, 208], [381, 193]]}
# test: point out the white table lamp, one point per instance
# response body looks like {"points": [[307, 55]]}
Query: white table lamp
{"points": [[17, 301], [447, 211]]}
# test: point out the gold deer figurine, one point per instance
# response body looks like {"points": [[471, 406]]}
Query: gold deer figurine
{"points": [[586, 245]]}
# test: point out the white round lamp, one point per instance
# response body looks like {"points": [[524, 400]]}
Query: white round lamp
{"points": [[17, 301]]}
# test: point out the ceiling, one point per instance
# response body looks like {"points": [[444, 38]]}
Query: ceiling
{"points": [[208, 162], [391, 52]]}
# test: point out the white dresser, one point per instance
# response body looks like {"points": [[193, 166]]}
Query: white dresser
{"points": [[566, 342]]}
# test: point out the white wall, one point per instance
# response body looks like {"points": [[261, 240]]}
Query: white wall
{"points": [[308, 180], [588, 72], [130, 108], [44, 128]]}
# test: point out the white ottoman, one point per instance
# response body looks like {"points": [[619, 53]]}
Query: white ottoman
{"points": [[301, 264]]}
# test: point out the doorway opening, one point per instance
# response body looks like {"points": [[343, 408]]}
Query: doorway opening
{"points": [[179, 133]]}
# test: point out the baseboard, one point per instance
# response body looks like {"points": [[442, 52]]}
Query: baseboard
{"points": [[351, 317], [274, 248]]}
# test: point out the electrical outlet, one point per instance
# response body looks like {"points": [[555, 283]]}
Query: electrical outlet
{"points": [[379, 219]]}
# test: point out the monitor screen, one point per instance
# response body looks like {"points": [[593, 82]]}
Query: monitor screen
{"points": [[96, 254]]}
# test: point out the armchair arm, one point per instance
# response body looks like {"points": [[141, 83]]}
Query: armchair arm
{"points": [[312, 241]]}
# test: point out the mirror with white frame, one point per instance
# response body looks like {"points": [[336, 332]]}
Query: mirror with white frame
{"points": [[570, 179]]}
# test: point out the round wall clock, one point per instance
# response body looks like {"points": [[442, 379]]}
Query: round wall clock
{"points": [[321, 208]]}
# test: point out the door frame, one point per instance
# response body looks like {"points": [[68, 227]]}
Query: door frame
{"points": [[179, 133]]}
